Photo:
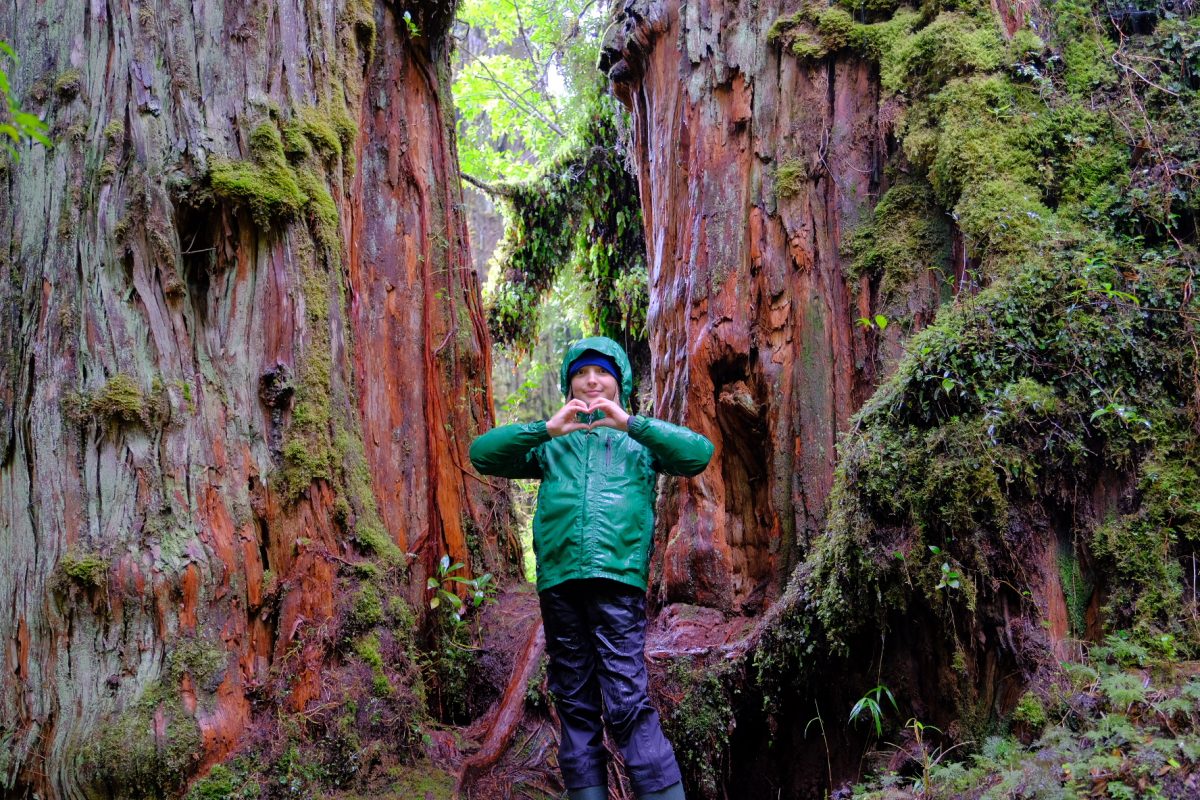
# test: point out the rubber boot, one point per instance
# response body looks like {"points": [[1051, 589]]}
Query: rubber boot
{"points": [[672, 792], [589, 793]]}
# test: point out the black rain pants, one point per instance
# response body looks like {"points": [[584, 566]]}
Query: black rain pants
{"points": [[595, 638]]}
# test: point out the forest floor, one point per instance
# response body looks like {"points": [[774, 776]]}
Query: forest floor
{"points": [[1121, 723], [527, 768]]}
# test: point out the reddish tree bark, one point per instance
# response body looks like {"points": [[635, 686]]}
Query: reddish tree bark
{"points": [[753, 166], [172, 349]]}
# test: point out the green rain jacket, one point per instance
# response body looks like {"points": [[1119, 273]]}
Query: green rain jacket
{"points": [[595, 507]]}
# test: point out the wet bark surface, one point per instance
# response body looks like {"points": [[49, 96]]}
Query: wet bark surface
{"points": [[209, 405], [752, 318]]}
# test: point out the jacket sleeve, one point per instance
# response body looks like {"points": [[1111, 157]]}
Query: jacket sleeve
{"points": [[677, 450], [508, 451]]}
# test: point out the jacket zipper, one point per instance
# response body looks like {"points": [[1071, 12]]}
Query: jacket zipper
{"points": [[583, 536], [607, 453]]}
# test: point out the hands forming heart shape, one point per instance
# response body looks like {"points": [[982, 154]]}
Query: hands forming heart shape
{"points": [[578, 415]]}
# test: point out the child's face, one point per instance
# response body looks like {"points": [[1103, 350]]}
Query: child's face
{"points": [[591, 382]]}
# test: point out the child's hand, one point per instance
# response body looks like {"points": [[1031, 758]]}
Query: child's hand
{"points": [[614, 415], [564, 420]]}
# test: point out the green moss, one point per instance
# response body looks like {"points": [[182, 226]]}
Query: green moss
{"points": [[420, 780], [974, 129], [362, 16], [224, 783], [1089, 64], [1003, 217], [204, 660], [119, 400], [699, 725], [368, 570], [1077, 592], [952, 46], [368, 527], [322, 211], [88, 570], [872, 10], [345, 126], [68, 83], [367, 648], [784, 25], [814, 32], [1030, 711], [319, 129], [904, 236], [790, 178], [265, 184], [295, 144], [108, 167], [368, 610], [129, 754], [114, 130], [302, 465]]}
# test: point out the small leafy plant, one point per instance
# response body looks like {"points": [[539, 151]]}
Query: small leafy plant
{"points": [[870, 706], [879, 321], [482, 588], [951, 578]]}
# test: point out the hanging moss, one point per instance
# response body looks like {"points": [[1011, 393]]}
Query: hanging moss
{"points": [[119, 400], [318, 128], [580, 214], [296, 145], [265, 184], [322, 211], [904, 236], [89, 570]]}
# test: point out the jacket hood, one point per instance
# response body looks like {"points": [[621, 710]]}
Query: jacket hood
{"points": [[601, 344]]}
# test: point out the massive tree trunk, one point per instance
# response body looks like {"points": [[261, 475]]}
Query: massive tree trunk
{"points": [[752, 166], [242, 350], [768, 161]]}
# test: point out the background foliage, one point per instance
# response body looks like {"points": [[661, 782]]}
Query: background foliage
{"points": [[540, 135], [16, 126]]}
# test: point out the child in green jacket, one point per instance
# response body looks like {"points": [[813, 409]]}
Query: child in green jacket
{"points": [[592, 534]]}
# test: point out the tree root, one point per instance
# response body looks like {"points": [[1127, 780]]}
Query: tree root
{"points": [[507, 716]]}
